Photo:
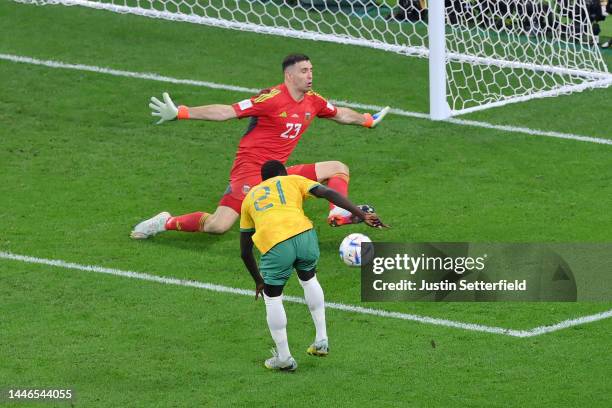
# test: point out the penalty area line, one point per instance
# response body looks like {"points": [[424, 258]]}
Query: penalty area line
{"points": [[213, 85], [330, 305]]}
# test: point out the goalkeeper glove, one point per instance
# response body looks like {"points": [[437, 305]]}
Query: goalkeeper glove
{"points": [[167, 110], [372, 120]]}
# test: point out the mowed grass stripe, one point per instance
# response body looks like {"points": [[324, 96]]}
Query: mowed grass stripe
{"points": [[357, 105], [331, 305]]}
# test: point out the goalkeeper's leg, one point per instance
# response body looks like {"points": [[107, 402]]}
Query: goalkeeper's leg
{"points": [[336, 175], [216, 223], [193, 222]]}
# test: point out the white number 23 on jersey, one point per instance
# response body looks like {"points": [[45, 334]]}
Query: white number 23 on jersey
{"points": [[293, 129]]}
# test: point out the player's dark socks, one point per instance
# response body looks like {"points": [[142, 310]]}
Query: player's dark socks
{"points": [[306, 275], [273, 290]]}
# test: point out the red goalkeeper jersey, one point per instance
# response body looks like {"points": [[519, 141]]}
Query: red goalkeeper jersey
{"points": [[276, 126]]}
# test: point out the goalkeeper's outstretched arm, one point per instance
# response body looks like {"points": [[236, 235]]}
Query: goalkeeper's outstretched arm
{"points": [[167, 110], [347, 116], [211, 112]]}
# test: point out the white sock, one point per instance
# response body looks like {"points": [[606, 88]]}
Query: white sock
{"points": [[277, 323], [313, 293]]}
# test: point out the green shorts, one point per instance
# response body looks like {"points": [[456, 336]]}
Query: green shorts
{"points": [[300, 252]]}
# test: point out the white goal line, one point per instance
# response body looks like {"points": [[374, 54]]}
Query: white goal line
{"points": [[536, 331], [213, 85]]}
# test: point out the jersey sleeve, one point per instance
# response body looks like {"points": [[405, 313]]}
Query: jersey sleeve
{"points": [[306, 185], [326, 108], [246, 221], [258, 105]]}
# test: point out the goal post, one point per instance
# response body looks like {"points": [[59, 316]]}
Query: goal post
{"points": [[482, 53], [438, 105]]}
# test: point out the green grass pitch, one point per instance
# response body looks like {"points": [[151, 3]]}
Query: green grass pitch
{"points": [[81, 162]]}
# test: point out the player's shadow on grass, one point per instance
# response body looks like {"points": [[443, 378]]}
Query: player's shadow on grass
{"points": [[328, 246], [196, 242]]}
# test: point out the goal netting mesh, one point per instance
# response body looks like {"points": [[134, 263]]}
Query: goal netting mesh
{"points": [[497, 51]]}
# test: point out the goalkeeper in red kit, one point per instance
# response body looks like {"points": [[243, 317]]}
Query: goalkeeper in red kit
{"points": [[279, 116]]}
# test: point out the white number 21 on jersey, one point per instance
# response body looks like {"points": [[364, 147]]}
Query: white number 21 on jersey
{"points": [[293, 129]]}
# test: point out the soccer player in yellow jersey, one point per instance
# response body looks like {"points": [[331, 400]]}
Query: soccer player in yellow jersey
{"points": [[272, 218]]}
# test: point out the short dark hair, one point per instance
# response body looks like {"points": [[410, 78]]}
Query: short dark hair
{"points": [[272, 168], [293, 59]]}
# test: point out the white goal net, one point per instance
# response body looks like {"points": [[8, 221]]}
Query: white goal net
{"points": [[493, 52]]}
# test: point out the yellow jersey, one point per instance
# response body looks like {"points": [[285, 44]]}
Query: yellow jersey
{"points": [[273, 209]]}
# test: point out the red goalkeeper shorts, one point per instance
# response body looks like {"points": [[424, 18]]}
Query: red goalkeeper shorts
{"points": [[238, 189]]}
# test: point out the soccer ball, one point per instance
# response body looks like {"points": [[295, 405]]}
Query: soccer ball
{"points": [[350, 249]]}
